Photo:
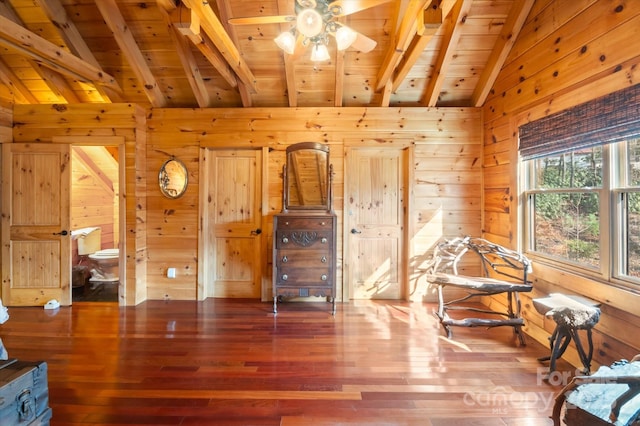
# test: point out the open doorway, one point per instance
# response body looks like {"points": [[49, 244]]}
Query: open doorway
{"points": [[95, 223]]}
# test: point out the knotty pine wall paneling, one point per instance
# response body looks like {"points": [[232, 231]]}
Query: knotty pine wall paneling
{"points": [[6, 123], [135, 158], [172, 224], [556, 64], [445, 191], [91, 123], [163, 233]]}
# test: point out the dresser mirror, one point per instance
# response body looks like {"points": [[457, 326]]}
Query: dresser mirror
{"points": [[307, 172], [173, 178]]}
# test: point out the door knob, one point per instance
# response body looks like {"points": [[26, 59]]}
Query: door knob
{"points": [[64, 232], [256, 232], [355, 231]]}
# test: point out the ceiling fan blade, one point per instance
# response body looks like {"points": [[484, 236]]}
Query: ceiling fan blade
{"points": [[253, 20], [347, 7], [363, 43]]}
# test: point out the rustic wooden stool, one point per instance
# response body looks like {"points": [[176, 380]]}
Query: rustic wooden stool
{"points": [[571, 314]]}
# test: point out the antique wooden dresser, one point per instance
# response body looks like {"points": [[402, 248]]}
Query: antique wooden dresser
{"points": [[304, 233]]}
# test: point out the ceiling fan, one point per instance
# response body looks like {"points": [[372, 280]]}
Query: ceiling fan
{"points": [[314, 22]]}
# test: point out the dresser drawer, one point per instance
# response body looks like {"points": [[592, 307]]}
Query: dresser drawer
{"points": [[304, 258], [304, 238], [315, 223], [307, 277]]}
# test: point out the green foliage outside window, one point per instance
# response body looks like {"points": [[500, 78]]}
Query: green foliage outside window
{"points": [[567, 194], [567, 219]]}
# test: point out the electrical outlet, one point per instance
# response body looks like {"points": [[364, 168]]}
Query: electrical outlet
{"points": [[171, 273]]}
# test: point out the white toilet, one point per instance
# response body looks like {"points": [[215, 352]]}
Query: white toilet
{"points": [[105, 261]]}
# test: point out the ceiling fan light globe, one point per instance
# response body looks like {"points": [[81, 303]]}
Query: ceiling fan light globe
{"points": [[320, 53], [309, 23], [286, 41], [345, 37]]}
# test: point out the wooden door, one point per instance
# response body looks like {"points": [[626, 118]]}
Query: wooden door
{"points": [[374, 223], [36, 242], [233, 217]]}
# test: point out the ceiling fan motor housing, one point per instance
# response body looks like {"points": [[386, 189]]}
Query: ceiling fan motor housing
{"points": [[323, 7], [315, 17]]}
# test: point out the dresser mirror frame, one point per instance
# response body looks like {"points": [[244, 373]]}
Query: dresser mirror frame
{"points": [[307, 177], [173, 178]]}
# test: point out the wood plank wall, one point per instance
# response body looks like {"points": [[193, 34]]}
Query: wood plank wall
{"points": [[90, 124], [6, 123], [556, 64], [445, 186], [444, 190]]}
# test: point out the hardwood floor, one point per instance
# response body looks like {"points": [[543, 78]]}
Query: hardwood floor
{"points": [[232, 362]]}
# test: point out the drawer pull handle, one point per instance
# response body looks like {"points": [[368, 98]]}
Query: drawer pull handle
{"points": [[285, 259], [323, 277], [323, 240], [285, 240], [323, 259], [285, 277]]}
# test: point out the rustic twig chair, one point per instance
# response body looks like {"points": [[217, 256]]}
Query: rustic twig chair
{"points": [[609, 397], [504, 271]]}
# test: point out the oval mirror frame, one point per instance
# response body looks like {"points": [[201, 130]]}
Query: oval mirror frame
{"points": [[173, 178]]}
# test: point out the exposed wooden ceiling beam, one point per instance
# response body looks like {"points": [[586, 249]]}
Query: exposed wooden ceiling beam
{"points": [[183, 49], [400, 42], [339, 91], [191, 69], [218, 35], [20, 92], [224, 9], [290, 78], [54, 80], [386, 94], [103, 181], [453, 28], [69, 32], [428, 24], [130, 49], [26, 43], [285, 7], [192, 32], [512, 27], [58, 84]]}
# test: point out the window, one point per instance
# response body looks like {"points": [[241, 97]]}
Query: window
{"points": [[629, 211], [582, 187], [582, 210], [564, 200]]}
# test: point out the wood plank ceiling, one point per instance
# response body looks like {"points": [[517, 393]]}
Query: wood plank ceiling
{"points": [[185, 53]]}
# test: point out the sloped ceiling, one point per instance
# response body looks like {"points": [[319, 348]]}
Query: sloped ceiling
{"points": [[185, 53]]}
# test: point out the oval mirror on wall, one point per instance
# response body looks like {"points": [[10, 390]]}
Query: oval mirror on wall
{"points": [[173, 178]]}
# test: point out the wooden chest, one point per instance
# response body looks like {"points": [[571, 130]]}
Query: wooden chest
{"points": [[304, 256], [24, 393]]}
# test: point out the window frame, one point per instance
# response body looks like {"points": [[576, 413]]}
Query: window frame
{"points": [[612, 221]]}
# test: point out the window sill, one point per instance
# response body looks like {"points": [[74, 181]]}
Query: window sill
{"points": [[608, 293]]}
